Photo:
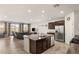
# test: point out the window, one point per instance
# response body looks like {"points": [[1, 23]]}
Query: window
{"points": [[2, 27], [25, 28], [14, 28]]}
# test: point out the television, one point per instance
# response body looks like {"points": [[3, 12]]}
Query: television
{"points": [[33, 29]]}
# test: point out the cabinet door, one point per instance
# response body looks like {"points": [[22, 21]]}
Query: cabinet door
{"points": [[33, 46], [44, 44], [59, 22], [39, 46], [51, 25]]}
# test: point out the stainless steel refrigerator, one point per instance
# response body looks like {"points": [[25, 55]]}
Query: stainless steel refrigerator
{"points": [[60, 33]]}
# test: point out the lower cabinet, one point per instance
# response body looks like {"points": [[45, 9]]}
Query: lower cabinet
{"points": [[44, 45], [39, 46]]}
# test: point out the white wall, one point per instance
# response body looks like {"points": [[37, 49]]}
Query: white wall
{"points": [[69, 27], [76, 23], [41, 27]]}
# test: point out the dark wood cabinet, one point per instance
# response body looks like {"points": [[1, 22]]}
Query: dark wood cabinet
{"points": [[39, 46], [44, 43], [51, 25], [59, 22], [32, 46]]}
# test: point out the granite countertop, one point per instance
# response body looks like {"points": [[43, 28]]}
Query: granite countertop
{"points": [[37, 37]]}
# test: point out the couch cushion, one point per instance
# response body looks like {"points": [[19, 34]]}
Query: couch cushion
{"points": [[75, 40]]}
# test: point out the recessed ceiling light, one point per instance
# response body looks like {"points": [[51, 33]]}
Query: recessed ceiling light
{"points": [[43, 11], [61, 12], [29, 11]]}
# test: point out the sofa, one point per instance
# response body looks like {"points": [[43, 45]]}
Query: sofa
{"points": [[2, 34], [19, 35], [75, 39], [74, 45]]}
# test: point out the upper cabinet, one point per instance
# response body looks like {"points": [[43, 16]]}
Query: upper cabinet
{"points": [[59, 22], [51, 25]]}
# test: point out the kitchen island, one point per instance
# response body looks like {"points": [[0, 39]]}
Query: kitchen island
{"points": [[39, 44]]}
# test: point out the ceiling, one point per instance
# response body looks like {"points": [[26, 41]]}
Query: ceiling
{"points": [[30, 13]]}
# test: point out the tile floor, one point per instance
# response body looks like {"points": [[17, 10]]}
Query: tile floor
{"points": [[8, 46]]}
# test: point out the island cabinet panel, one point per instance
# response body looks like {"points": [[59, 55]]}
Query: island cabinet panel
{"points": [[44, 42], [40, 45], [32, 46]]}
